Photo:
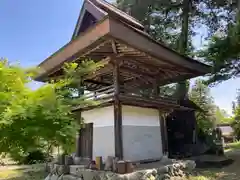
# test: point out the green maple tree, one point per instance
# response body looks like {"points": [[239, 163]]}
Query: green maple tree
{"points": [[30, 118]]}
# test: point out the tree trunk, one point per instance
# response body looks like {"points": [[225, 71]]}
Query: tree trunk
{"points": [[182, 88]]}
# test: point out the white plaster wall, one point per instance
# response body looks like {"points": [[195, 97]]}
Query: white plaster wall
{"points": [[100, 117], [138, 116], [103, 130], [141, 133]]}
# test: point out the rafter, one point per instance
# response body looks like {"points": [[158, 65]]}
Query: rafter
{"points": [[114, 47]]}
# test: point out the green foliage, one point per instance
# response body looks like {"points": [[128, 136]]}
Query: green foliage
{"points": [[33, 157], [200, 94], [32, 119], [222, 117], [236, 116], [223, 53], [163, 18], [236, 122]]}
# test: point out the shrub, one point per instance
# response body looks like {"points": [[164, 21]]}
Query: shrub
{"points": [[34, 157]]}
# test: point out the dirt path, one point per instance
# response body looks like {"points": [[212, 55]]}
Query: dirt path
{"points": [[22, 172]]}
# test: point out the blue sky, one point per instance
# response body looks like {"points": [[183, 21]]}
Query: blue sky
{"points": [[31, 30]]}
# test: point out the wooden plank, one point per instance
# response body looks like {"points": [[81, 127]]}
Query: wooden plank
{"points": [[117, 112]]}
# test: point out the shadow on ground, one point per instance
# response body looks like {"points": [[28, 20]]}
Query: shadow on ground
{"points": [[230, 172]]}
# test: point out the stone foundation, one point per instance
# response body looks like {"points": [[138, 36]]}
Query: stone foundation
{"points": [[80, 172]]}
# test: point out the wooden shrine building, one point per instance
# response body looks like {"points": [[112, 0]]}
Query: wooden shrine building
{"points": [[128, 123]]}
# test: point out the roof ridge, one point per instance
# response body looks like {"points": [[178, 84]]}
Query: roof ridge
{"points": [[110, 7]]}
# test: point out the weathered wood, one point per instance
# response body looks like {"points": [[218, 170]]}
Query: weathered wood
{"points": [[163, 132], [117, 112], [114, 48], [86, 137], [159, 67]]}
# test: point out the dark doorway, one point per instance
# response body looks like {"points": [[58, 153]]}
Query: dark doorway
{"points": [[86, 135], [180, 131]]}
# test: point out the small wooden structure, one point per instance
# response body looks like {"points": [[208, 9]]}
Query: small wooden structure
{"points": [[227, 132], [133, 62]]}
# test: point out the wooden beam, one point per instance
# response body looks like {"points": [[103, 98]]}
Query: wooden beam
{"points": [[175, 79], [97, 82], [138, 72], [117, 112], [103, 70], [159, 68], [114, 47]]}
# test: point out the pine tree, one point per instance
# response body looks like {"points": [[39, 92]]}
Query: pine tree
{"points": [[175, 23], [223, 51]]}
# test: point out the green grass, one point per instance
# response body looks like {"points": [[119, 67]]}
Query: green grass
{"points": [[233, 146], [205, 175]]}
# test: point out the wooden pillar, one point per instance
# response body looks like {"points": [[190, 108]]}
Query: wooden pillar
{"points": [[78, 134], [117, 112], [164, 134], [78, 137], [162, 122]]}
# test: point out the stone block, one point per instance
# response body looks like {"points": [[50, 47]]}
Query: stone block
{"points": [[81, 161], [88, 174], [69, 160], [162, 170], [74, 169], [109, 163], [190, 165]]}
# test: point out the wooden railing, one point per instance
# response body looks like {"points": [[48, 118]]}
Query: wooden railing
{"points": [[100, 94], [106, 94], [149, 96]]}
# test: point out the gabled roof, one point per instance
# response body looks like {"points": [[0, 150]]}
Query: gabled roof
{"points": [[102, 31], [99, 9]]}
